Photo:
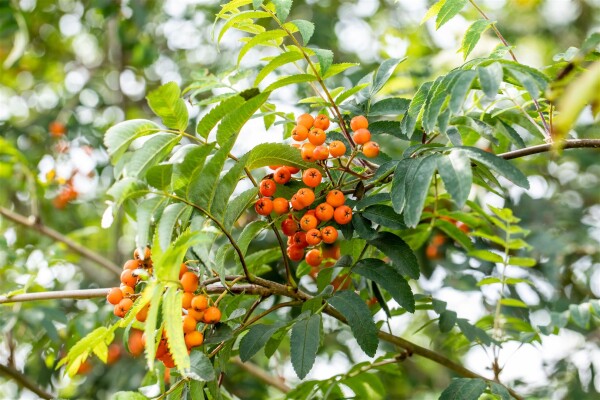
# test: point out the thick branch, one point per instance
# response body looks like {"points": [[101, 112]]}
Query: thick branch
{"points": [[23, 381], [542, 148], [59, 237], [261, 374]]}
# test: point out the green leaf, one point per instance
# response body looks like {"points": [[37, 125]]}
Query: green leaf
{"points": [[385, 216], [464, 389], [225, 188], [201, 367], [268, 38], [151, 321], [486, 255], [325, 58], [171, 312], [455, 171], [159, 176], [527, 81], [398, 191], [403, 258], [580, 315], [304, 344], [383, 74], [306, 29], [390, 106], [203, 186], [128, 396], [496, 163], [146, 212], [212, 118], [266, 154], [257, 3], [290, 80], [249, 233], [255, 339], [490, 78], [350, 92], [358, 315], [237, 206], [280, 60], [118, 137], [447, 321], [169, 219], [230, 126], [473, 34], [388, 278], [433, 104], [433, 11], [151, 153], [489, 281], [513, 303], [522, 261], [166, 102], [500, 390], [414, 109], [282, 9], [454, 232], [448, 10], [460, 89], [167, 266], [244, 16], [417, 189], [336, 69]]}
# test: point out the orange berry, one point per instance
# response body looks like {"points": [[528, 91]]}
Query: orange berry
{"points": [[324, 212], [127, 278], [274, 167], [200, 302], [282, 175], [337, 148], [370, 149], [296, 203], [212, 315], [312, 177], [147, 254], [313, 237], [182, 270], [308, 222], [359, 122], [114, 296], [162, 349], [267, 187], [289, 226], [189, 323], [136, 342], [126, 290], [317, 136], [306, 120], [299, 239], [321, 152], [168, 361], [197, 315], [307, 152], [305, 196], [314, 258], [281, 205], [332, 252], [132, 264], [438, 239], [122, 307], [186, 299], [361, 136], [432, 252], [57, 129], [189, 281], [264, 206], [143, 313], [299, 133], [335, 198], [293, 170], [342, 215], [321, 122], [295, 252], [194, 339], [114, 353], [329, 234]]}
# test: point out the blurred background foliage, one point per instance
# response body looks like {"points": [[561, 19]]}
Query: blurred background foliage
{"points": [[72, 69]]}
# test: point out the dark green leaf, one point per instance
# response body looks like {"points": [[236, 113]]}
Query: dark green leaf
{"points": [[166, 102], [388, 278], [231, 125], [118, 137], [414, 109], [358, 315], [276, 154], [496, 163], [455, 170], [169, 219], [146, 212], [304, 344], [403, 258], [447, 321], [490, 78], [201, 367], [460, 89], [500, 390], [417, 189], [237, 206], [391, 106], [159, 176], [383, 74], [385, 216], [212, 118], [464, 389], [255, 339], [398, 192], [151, 153]]}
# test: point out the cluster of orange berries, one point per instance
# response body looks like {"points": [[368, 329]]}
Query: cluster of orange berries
{"points": [[195, 307]]}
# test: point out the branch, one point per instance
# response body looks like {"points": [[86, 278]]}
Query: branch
{"points": [[53, 295], [59, 237], [259, 373], [24, 381], [542, 148]]}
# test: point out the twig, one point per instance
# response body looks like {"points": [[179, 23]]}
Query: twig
{"points": [[53, 295], [59, 237], [24, 381], [259, 373], [542, 148]]}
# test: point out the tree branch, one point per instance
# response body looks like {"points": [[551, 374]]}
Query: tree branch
{"points": [[261, 374], [24, 381], [542, 148], [59, 237]]}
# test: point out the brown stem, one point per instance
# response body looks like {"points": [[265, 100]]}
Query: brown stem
{"points": [[542, 148], [259, 373], [59, 237], [24, 381]]}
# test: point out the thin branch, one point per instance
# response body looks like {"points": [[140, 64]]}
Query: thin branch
{"points": [[256, 371], [53, 295], [24, 381], [542, 148], [59, 237]]}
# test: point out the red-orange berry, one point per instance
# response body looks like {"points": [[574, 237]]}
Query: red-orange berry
{"points": [[122, 307], [305, 196], [282, 175], [126, 290], [308, 222], [147, 254], [342, 215], [324, 212], [212, 315], [295, 252], [305, 120], [289, 226], [307, 152], [335, 198], [132, 264], [299, 239], [114, 296], [314, 258], [317, 136], [264, 206], [359, 122], [189, 281], [329, 234], [200, 303], [197, 315], [296, 203], [267, 187], [313, 237], [293, 170], [281, 205], [361, 136], [312, 177], [321, 152], [337, 148], [321, 122], [127, 278], [57, 129], [136, 342], [370, 149], [299, 133]]}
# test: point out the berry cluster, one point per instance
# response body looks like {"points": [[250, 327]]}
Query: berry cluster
{"points": [[306, 227], [195, 307]]}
